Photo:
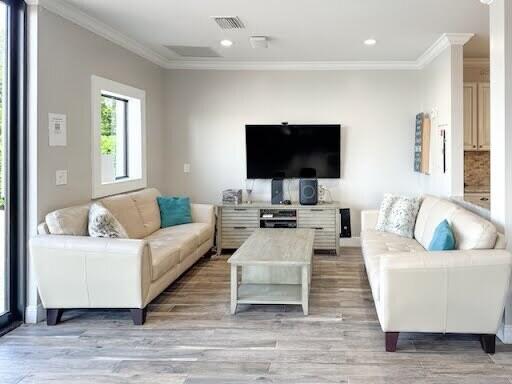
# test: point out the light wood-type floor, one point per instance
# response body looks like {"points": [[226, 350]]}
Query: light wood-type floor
{"points": [[191, 338]]}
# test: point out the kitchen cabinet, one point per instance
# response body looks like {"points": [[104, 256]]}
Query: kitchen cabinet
{"points": [[477, 120]]}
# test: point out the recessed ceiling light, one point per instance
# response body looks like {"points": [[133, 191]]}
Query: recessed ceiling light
{"points": [[486, 2], [226, 43], [370, 42]]}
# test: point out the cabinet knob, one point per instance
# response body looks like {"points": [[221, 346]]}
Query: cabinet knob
{"points": [[474, 146], [481, 146]]}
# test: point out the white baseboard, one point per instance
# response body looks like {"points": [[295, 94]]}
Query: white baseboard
{"points": [[34, 314], [350, 242]]}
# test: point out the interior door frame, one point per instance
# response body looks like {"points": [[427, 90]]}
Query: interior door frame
{"points": [[15, 163]]}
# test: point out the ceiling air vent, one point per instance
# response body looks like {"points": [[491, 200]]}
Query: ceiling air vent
{"points": [[188, 51], [229, 22]]}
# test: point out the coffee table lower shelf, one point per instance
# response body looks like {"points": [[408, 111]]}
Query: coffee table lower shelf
{"points": [[269, 294]]}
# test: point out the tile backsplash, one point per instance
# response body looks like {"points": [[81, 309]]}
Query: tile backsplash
{"points": [[477, 168]]}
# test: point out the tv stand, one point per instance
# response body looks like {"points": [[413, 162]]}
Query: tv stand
{"points": [[235, 223]]}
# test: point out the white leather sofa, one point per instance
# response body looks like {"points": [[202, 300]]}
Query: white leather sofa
{"points": [[85, 272], [460, 291]]}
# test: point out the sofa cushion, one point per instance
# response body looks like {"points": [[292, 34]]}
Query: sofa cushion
{"points": [[146, 203], [433, 210], [201, 230], [68, 221], [126, 212], [472, 231], [187, 240], [164, 256], [137, 211], [374, 244]]}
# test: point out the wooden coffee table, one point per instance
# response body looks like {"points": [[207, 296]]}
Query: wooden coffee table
{"points": [[276, 268]]}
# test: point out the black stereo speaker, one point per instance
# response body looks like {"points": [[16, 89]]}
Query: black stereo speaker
{"points": [[308, 191], [345, 223], [277, 191]]}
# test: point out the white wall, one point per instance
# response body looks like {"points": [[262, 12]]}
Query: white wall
{"points": [[435, 83], [441, 85], [68, 56], [207, 111]]}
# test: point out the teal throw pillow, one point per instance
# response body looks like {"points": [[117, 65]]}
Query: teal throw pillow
{"points": [[174, 210], [443, 239]]}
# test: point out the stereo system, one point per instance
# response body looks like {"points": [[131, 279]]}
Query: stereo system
{"points": [[308, 191], [345, 223], [277, 191]]}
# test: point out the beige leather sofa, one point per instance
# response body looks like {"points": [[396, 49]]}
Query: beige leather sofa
{"points": [[461, 291], [85, 272]]}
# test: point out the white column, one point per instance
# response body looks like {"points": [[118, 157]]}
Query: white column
{"points": [[34, 311], [501, 130], [456, 150]]}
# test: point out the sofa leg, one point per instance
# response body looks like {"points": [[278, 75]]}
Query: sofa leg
{"points": [[138, 316], [391, 341], [488, 343], [53, 316]]}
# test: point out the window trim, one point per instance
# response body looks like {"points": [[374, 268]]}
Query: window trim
{"points": [[99, 87]]}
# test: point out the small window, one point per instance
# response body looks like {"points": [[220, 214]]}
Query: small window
{"points": [[114, 142], [119, 163]]}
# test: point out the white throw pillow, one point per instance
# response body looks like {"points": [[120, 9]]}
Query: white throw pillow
{"points": [[398, 215], [103, 224]]}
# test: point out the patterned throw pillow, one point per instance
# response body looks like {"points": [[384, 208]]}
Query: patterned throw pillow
{"points": [[398, 215], [103, 224]]}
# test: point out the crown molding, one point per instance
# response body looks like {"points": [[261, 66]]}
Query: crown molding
{"points": [[446, 40], [292, 65], [92, 24], [77, 16]]}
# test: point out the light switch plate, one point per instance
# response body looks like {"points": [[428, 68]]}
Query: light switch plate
{"points": [[61, 177], [186, 168]]}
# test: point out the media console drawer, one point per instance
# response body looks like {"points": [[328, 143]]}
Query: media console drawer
{"points": [[323, 221]]}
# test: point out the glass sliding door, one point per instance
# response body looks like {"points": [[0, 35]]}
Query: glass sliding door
{"points": [[12, 162], [4, 260]]}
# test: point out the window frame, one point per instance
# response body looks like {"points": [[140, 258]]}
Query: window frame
{"points": [[137, 173]]}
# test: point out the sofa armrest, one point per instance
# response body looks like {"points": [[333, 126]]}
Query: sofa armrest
{"points": [[369, 219], [86, 272], [203, 213], [453, 291]]}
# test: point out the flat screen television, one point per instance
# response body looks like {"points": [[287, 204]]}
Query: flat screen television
{"points": [[292, 151]]}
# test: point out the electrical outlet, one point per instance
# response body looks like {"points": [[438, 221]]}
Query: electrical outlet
{"points": [[61, 177], [186, 168]]}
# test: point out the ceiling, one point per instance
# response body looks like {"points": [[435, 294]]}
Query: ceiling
{"points": [[299, 30]]}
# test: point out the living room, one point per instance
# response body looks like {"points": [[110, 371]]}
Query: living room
{"points": [[160, 228]]}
